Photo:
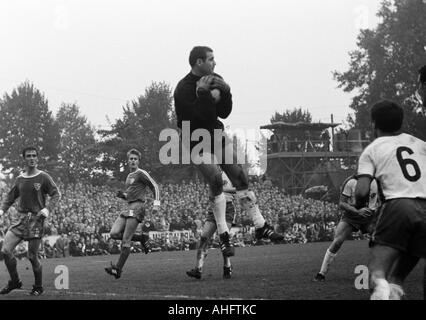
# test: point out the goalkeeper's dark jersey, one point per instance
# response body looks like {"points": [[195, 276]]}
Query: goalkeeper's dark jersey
{"points": [[136, 184], [201, 111], [32, 192]]}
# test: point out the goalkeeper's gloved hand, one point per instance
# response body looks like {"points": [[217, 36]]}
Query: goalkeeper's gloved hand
{"points": [[219, 83], [204, 84]]}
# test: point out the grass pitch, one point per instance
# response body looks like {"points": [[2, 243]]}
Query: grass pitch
{"points": [[275, 272]]}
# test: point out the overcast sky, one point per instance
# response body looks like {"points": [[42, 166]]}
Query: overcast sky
{"points": [[275, 54]]}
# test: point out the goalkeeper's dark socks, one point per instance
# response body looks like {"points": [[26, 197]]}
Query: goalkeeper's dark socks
{"points": [[135, 237], [38, 275], [10, 263], [125, 251], [139, 238]]}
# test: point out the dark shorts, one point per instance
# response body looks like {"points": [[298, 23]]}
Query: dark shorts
{"points": [[136, 210], [229, 215], [28, 226], [402, 225], [365, 225]]}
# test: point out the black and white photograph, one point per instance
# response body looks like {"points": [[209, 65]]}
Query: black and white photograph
{"points": [[213, 157]]}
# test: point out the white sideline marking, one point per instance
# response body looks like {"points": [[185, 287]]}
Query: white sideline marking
{"points": [[141, 297]]}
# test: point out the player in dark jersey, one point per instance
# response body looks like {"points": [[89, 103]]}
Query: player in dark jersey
{"points": [[210, 228], [31, 187], [352, 220], [126, 224], [201, 98]]}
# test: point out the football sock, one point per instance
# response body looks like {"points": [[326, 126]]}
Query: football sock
{"points": [[328, 259], [202, 252], [201, 256], [248, 202], [396, 292], [226, 261], [138, 237], [219, 212], [125, 251], [135, 237], [38, 274], [381, 290], [10, 262]]}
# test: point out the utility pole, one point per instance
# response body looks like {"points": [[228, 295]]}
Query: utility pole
{"points": [[332, 133]]}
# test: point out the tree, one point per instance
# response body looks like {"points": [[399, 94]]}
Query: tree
{"points": [[77, 139], [25, 120], [385, 64], [140, 127], [292, 116]]}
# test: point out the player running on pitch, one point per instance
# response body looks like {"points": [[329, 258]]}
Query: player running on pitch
{"points": [[352, 220], [421, 96], [126, 224], [398, 161], [210, 228], [31, 188], [201, 98]]}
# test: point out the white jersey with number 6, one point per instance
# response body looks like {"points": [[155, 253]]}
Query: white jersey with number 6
{"points": [[398, 163]]}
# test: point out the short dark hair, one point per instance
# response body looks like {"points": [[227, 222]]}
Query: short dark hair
{"points": [[135, 152], [387, 116], [198, 53], [422, 74], [26, 149]]}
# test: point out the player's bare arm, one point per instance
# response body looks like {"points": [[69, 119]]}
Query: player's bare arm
{"points": [[362, 191], [350, 210]]}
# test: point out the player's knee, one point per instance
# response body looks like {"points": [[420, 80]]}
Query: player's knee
{"points": [[247, 199], [32, 256], [203, 241], [7, 253]]}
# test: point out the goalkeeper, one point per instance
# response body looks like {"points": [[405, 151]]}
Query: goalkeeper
{"points": [[201, 98]]}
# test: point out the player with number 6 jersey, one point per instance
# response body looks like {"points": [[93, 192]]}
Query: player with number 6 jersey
{"points": [[398, 162]]}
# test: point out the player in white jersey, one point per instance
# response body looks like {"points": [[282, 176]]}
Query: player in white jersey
{"points": [[421, 96], [421, 88], [210, 228], [352, 220], [398, 162]]}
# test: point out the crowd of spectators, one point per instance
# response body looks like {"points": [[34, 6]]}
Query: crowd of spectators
{"points": [[85, 214]]}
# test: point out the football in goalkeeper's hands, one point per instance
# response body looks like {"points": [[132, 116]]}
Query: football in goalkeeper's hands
{"points": [[216, 95]]}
